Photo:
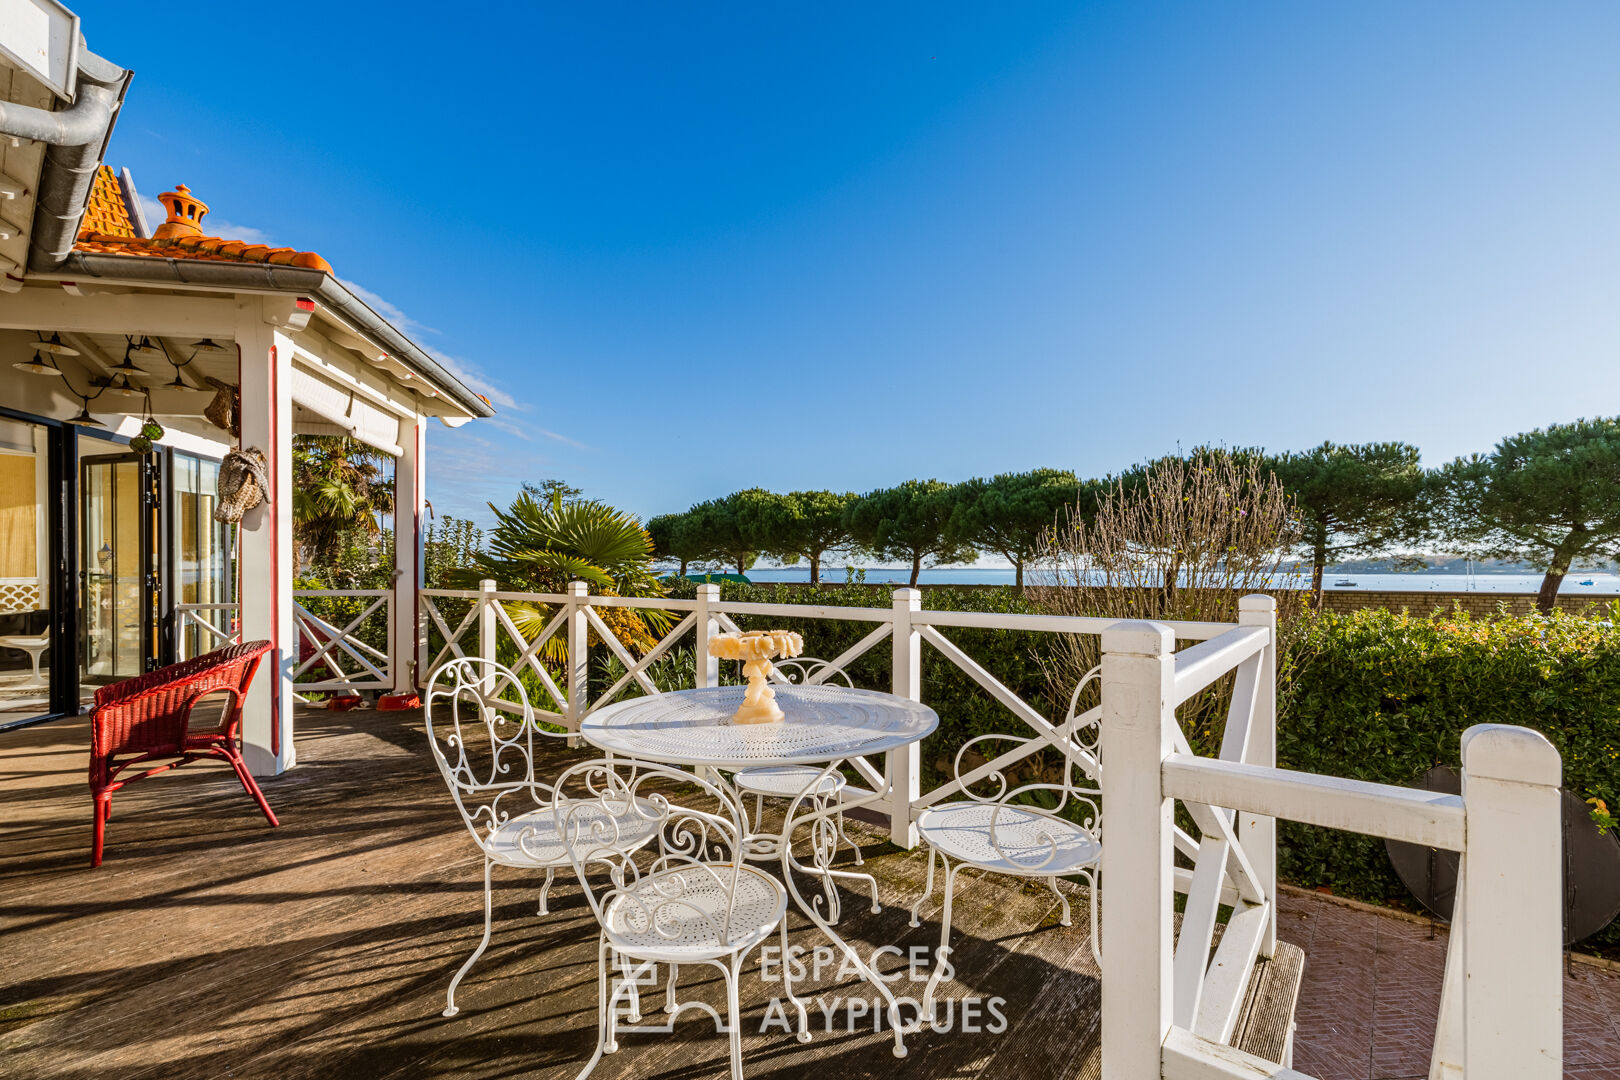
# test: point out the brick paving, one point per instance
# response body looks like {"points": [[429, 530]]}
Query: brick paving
{"points": [[1371, 995]]}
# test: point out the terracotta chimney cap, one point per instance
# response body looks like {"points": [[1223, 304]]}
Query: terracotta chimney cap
{"points": [[185, 213]]}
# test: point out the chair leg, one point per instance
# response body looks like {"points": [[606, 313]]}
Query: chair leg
{"points": [[928, 890], [669, 990], [604, 1010], [246, 777], [103, 809], [734, 1014], [632, 984], [611, 1046], [450, 998], [942, 956], [859, 860], [545, 890], [1051, 883], [1096, 943], [787, 986]]}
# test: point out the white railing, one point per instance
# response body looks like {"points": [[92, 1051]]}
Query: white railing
{"points": [[331, 657], [1166, 1011], [335, 657], [486, 623], [1170, 1005], [212, 625]]}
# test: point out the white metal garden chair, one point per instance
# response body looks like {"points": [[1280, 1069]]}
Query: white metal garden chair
{"points": [[1008, 832], [697, 902], [788, 782], [482, 729]]}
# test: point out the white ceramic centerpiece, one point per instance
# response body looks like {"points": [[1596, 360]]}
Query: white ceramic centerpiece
{"points": [[755, 649]]}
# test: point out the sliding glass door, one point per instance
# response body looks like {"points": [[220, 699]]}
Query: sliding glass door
{"points": [[118, 603]]}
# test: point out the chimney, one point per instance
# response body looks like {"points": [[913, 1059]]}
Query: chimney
{"points": [[185, 212]]}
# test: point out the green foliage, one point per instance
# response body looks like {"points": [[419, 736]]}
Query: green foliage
{"points": [[1352, 500], [910, 522], [1548, 496], [355, 559], [339, 488], [542, 546], [1385, 696], [546, 490], [800, 524], [1011, 513], [451, 545], [682, 538], [719, 529]]}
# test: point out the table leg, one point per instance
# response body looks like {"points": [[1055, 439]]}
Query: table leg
{"points": [[823, 819]]}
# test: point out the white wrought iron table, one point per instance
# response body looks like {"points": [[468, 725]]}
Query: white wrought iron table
{"points": [[823, 726]]}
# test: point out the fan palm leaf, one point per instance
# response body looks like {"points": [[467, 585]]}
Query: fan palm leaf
{"points": [[540, 545]]}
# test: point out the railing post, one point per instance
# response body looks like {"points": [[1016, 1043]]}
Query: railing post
{"points": [[705, 626], [398, 668], [487, 627], [579, 653], [1138, 682], [904, 764], [1259, 834], [1512, 886]]}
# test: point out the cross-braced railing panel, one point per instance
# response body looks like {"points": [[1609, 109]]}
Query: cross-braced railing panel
{"points": [[202, 628], [333, 651], [576, 623], [1209, 989]]}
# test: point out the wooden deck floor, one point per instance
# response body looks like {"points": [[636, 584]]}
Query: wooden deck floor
{"points": [[211, 945]]}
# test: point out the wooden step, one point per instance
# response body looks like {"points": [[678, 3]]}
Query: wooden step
{"points": [[1265, 1026]]}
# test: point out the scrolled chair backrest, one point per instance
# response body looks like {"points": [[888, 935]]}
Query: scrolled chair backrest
{"points": [[1075, 798], [483, 740], [807, 670], [605, 810]]}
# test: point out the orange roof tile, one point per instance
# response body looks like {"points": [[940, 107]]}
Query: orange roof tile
{"points": [[107, 229], [200, 249], [107, 213]]}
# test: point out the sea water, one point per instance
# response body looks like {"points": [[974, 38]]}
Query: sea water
{"points": [[1602, 584]]}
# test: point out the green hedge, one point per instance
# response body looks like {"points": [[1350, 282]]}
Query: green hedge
{"points": [[1385, 696]]}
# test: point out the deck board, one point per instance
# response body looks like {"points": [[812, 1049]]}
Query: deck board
{"points": [[210, 945]]}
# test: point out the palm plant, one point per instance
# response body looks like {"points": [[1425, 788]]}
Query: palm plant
{"points": [[541, 544], [339, 491]]}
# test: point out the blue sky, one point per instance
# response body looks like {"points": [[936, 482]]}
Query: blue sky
{"points": [[693, 248]]}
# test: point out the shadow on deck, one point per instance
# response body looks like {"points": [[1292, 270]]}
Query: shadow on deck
{"points": [[211, 945]]}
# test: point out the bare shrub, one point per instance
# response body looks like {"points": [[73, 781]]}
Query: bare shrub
{"points": [[1181, 539]]}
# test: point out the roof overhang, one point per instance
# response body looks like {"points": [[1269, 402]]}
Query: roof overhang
{"points": [[382, 342]]}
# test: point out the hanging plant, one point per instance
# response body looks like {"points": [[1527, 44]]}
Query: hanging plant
{"points": [[151, 431]]}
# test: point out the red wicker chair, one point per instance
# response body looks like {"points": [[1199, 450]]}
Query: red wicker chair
{"points": [[149, 717]]}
